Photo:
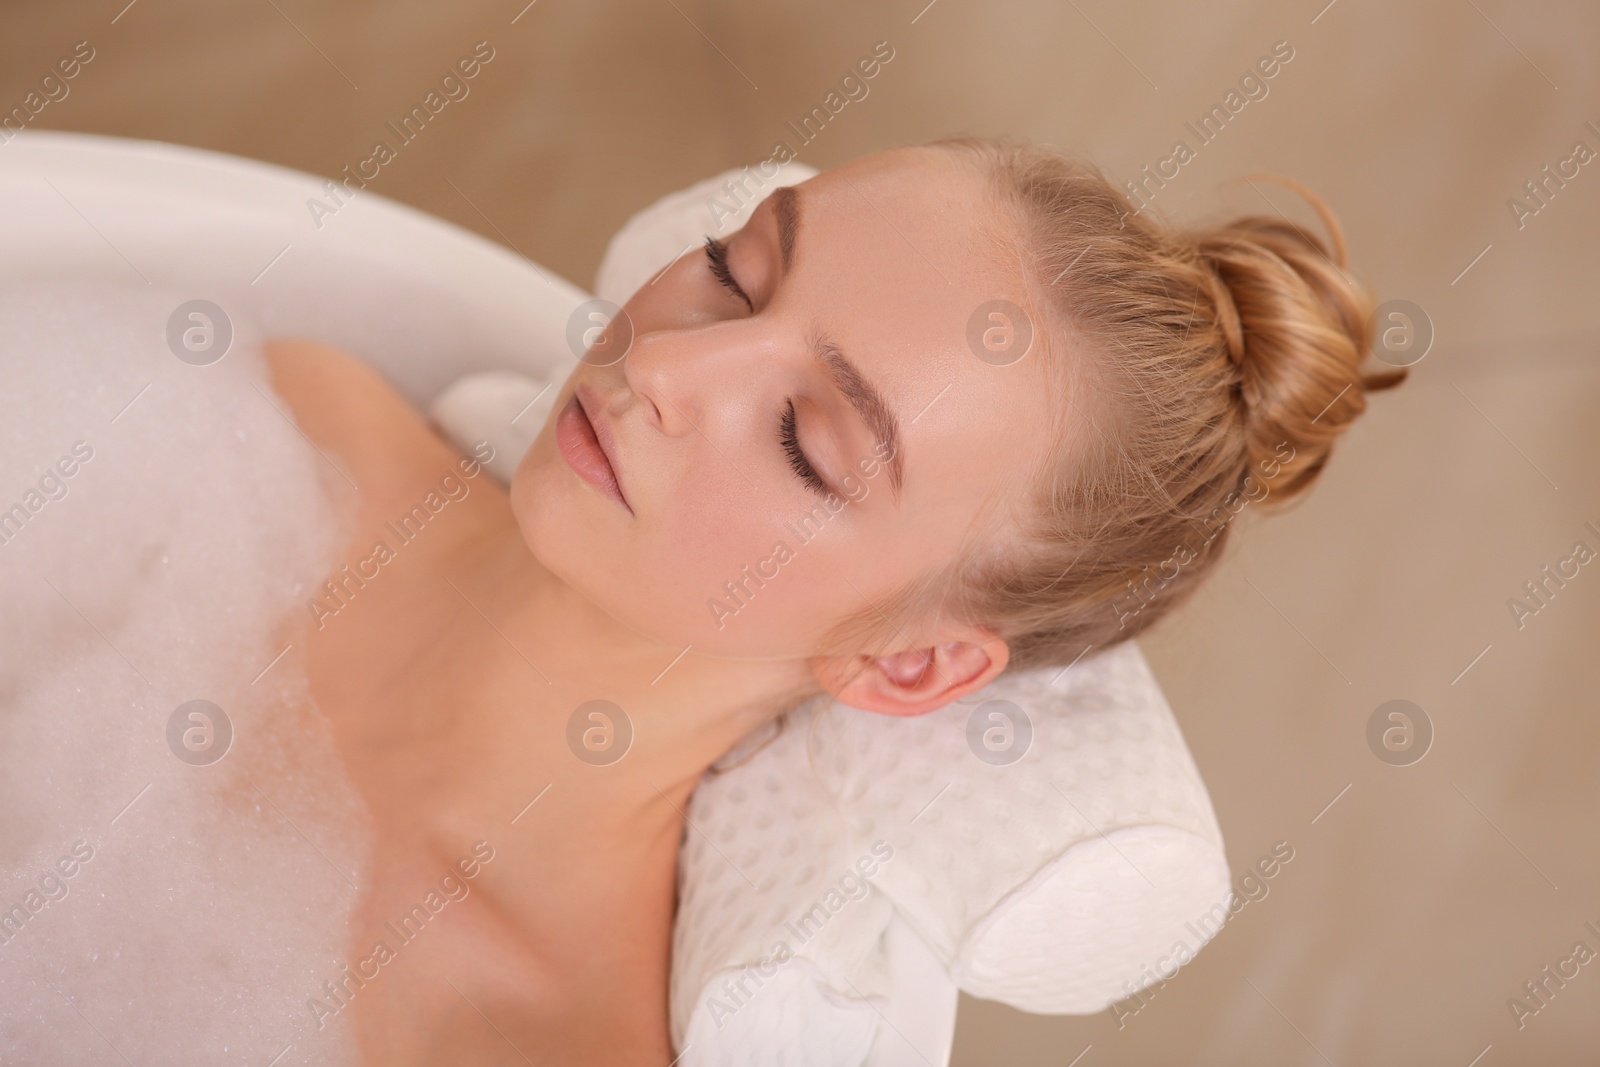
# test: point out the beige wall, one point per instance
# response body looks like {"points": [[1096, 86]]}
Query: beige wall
{"points": [[1424, 898]]}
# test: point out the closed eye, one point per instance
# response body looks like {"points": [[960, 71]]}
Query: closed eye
{"points": [[798, 462], [717, 256]]}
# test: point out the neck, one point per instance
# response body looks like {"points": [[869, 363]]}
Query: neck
{"points": [[685, 709]]}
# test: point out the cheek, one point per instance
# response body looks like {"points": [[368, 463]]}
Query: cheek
{"points": [[715, 563], [727, 567]]}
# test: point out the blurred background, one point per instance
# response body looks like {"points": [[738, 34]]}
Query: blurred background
{"points": [[1423, 892]]}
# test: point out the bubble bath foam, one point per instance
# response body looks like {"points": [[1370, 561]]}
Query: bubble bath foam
{"points": [[180, 850]]}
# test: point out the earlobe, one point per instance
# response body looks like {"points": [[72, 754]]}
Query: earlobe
{"points": [[915, 681]]}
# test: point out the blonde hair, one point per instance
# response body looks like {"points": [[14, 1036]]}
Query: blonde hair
{"points": [[1210, 367]]}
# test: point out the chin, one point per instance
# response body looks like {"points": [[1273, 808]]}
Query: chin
{"points": [[564, 522], [541, 494], [549, 500]]}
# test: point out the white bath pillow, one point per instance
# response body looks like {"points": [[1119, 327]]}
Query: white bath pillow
{"points": [[1056, 883]]}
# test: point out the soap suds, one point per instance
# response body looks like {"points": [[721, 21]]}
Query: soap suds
{"points": [[156, 908]]}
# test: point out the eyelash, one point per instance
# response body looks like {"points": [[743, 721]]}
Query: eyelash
{"points": [[788, 436], [717, 254], [797, 459]]}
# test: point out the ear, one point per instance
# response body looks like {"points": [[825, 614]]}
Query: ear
{"points": [[917, 680]]}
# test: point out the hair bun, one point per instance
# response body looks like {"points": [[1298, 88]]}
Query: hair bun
{"points": [[1295, 326], [1227, 313]]}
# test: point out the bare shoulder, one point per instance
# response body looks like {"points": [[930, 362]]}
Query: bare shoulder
{"points": [[349, 409]]}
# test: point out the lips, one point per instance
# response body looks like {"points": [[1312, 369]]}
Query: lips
{"points": [[588, 448]]}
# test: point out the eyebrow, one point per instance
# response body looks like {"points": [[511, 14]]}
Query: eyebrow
{"points": [[861, 393], [786, 202], [867, 401]]}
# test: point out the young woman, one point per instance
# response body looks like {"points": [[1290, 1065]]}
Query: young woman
{"points": [[935, 414]]}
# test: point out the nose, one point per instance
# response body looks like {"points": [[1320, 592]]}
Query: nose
{"points": [[695, 376]]}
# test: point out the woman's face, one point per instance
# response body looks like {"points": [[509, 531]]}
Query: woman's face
{"points": [[734, 536]]}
